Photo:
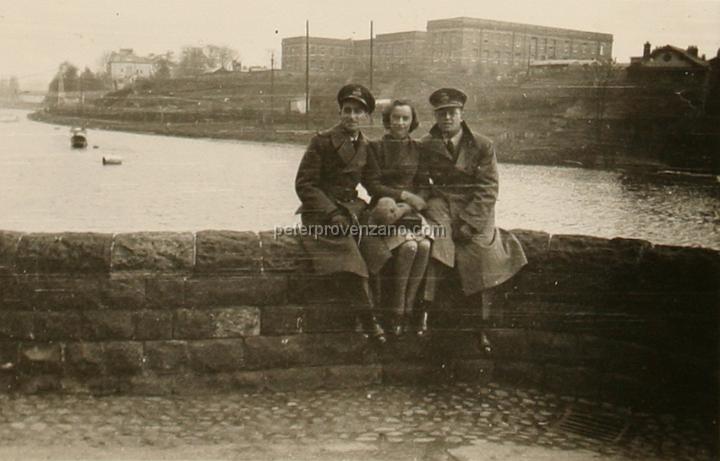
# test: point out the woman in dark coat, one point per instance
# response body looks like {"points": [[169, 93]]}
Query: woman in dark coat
{"points": [[393, 171], [326, 183]]}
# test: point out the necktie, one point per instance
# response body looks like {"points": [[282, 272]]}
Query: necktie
{"points": [[355, 144], [450, 147]]}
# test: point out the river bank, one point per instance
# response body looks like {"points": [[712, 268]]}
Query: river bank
{"points": [[289, 134]]}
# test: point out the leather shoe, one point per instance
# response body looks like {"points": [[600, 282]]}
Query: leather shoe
{"points": [[421, 323], [372, 328]]}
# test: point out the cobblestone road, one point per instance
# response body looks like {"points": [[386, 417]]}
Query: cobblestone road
{"points": [[454, 422]]}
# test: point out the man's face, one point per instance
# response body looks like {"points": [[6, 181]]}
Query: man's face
{"points": [[449, 119], [352, 114]]}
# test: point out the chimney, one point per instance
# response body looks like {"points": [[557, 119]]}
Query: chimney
{"points": [[692, 50], [646, 50]]}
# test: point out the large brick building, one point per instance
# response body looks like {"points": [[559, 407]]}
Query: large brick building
{"points": [[471, 44]]}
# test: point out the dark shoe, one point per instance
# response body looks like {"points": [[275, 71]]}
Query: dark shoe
{"points": [[371, 327], [486, 344], [421, 323], [397, 326]]}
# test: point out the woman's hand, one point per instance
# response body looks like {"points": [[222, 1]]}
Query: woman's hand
{"points": [[339, 220], [413, 200]]}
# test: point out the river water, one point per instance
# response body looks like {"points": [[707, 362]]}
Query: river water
{"points": [[179, 184]]}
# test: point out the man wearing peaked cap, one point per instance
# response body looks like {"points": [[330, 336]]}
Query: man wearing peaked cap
{"points": [[358, 93], [447, 97], [463, 170], [326, 184]]}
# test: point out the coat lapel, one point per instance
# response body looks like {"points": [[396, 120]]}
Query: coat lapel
{"points": [[437, 146]]}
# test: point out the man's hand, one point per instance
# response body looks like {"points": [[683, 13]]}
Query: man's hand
{"points": [[413, 200], [462, 232]]}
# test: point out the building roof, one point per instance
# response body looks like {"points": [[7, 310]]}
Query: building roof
{"points": [[127, 56], [478, 23], [683, 54], [319, 40]]}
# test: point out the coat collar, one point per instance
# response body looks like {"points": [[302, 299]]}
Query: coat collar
{"points": [[345, 149], [468, 144]]}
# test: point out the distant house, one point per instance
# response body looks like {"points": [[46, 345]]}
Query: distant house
{"points": [[125, 67], [669, 63]]}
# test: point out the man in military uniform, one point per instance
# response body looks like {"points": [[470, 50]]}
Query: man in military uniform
{"points": [[463, 170], [326, 183]]}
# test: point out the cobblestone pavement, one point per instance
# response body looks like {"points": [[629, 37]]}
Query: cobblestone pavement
{"points": [[449, 422]]}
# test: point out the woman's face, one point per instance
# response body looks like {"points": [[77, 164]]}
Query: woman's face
{"points": [[400, 121]]}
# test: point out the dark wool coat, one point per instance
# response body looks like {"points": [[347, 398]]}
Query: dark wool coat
{"points": [[393, 166], [326, 183], [464, 190]]}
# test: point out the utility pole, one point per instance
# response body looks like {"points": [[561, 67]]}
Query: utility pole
{"points": [[307, 74], [371, 56], [272, 88]]}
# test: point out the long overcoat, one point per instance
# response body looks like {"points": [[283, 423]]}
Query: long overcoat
{"points": [[326, 184], [464, 190], [393, 166]]}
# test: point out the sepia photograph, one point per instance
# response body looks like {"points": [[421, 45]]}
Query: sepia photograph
{"points": [[315, 230]]}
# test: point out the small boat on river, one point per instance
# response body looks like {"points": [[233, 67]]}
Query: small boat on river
{"points": [[78, 138]]}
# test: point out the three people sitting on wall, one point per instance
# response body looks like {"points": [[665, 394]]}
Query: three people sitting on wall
{"points": [[435, 199]]}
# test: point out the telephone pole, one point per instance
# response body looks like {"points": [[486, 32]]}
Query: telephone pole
{"points": [[307, 74], [371, 56]]}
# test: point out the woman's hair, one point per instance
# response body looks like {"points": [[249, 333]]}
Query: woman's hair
{"points": [[400, 102]]}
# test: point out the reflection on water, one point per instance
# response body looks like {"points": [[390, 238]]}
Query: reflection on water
{"points": [[178, 184]]}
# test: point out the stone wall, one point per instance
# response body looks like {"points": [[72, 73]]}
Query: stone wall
{"points": [[186, 312]]}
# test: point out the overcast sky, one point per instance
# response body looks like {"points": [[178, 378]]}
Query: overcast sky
{"points": [[36, 35]]}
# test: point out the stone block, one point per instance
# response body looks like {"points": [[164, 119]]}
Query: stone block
{"points": [[349, 376], [153, 251], [154, 325], [283, 253], [216, 355], [39, 358], [221, 251], [49, 325], [108, 325], [123, 357], [508, 342], [257, 290], [575, 381], [84, 359], [282, 320], [618, 356], [444, 346], [305, 349], [64, 253], [8, 356], [518, 373], [9, 242], [309, 288], [671, 269], [546, 346], [230, 322], [60, 292], [406, 373], [165, 292], [290, 379], [125, 291], [35, 384], [584, 253], [166, 356], [535, 244], [473, 370], [16, 325]]}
